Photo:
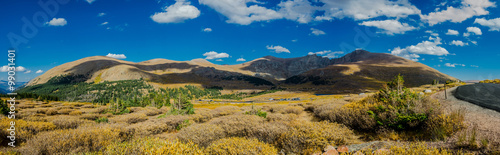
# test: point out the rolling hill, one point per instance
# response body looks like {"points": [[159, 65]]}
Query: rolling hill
{"points": [[358, 71]]}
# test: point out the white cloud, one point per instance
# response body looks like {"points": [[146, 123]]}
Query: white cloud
{"points": [[57, 22], [207, 29], [468, 9], [459, 43], [474, 42], [214, 55], [101, 14], [278, 49], [493, 24], [475, 66], [39, 71], [327, 53], [317, 32], [116, 56], [105, 23], [297, 10], [180, 11], [367, 9], [295, 40], [219, 60], [241, 59], [18, 69], [390, 27], [239, 12], [245, 12], [474, 30], [452, 32], [453, 65], [90, 1], [27, 72], [428, 47]]}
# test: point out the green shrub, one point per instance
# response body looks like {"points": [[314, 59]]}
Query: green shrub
{"points": [[102, 120], [259, 112]]}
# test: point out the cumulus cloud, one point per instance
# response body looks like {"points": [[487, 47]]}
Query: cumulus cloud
{"points": [[367, 9], [241, 59], [474, 30], [240, 12], [297, 10], [214, 55], [327, 53], [39, 71], [116, 56], [317, 32], [432, 33], [428, 47], [468, 9], [207, 30], [459, 43], [493, 24], [180, 11], [278, 49], [17, 69], [57, 22], [389, 27], [453, 65], [245, 12], [452, 32]]}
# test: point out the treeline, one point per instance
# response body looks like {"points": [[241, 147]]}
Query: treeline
{"points": [[43, 97]]}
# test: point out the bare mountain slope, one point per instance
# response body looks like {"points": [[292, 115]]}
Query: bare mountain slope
{"points": [[355, 71]]}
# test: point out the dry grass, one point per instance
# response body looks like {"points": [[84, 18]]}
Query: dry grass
{"points": [[241, 146], [153, 146], [293, 110], [156, 126], [201, 134], [311, 137], [66, 122], [75, 113], [24, 129], [239, 125], [51, 112], [71, 141], [129, 118], [203, 115], [65, 111]]}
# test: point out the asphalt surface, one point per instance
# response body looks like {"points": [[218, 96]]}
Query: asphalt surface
{"points": [[483, 94]]}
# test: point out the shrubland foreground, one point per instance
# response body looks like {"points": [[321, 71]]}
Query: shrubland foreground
{"points": [[395, 120]]}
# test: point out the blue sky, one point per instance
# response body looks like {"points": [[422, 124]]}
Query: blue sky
{"points": [[456, 37]]}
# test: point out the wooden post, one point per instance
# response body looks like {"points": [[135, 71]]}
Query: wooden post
{"points": [[445, 94]]}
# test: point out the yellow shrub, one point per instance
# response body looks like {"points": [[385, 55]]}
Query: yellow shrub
{"points": [[76, 112], [51, 112], [201, 134], [310, 137], [130, 118], [153, 146], [236, 145], [65, 111], [66, 122], [24, 129], [292, 110], [71, 141], [418, 148]]}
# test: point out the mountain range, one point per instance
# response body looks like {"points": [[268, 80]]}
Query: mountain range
{"points": [[358, 71]]}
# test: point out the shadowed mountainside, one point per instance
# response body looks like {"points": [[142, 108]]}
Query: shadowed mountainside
{"points": [[355, 72]]}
